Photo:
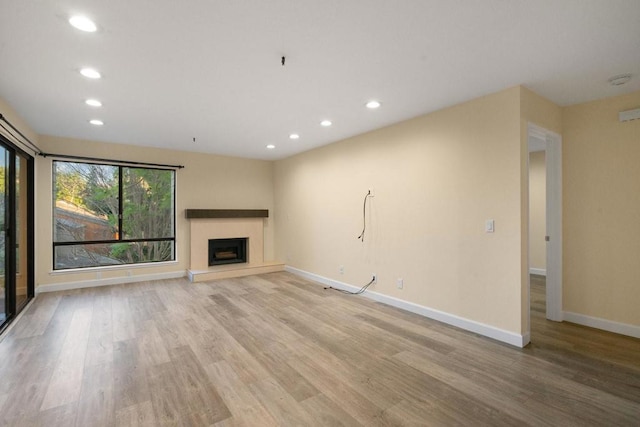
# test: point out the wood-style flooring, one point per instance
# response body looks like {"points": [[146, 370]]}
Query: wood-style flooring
{"points": [[277, 350]]}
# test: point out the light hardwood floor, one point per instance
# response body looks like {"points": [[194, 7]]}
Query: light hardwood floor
{"points": [[276, 350]]}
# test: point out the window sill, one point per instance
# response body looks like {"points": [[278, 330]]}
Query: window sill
{"points": [[112, 268]]}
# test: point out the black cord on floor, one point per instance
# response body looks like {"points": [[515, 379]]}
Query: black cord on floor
{"points": [[362, 289], [364, 216]]}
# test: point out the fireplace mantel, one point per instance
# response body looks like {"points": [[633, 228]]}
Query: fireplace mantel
{"points": [[225, 213]]}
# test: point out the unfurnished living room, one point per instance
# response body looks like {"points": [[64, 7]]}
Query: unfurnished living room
{"points": [[320, 213]]}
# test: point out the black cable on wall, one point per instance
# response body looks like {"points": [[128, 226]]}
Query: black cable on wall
{"points": [[364, 216]]}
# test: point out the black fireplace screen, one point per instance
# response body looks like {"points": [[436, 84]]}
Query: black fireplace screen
{"points": [[227, 251]]}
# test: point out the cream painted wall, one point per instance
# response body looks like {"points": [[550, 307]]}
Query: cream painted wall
{"points": [[537, 211], [207, 181], [437, 179], [601, 210]]}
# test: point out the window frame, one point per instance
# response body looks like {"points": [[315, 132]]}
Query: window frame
{"points": [[121, 190]]}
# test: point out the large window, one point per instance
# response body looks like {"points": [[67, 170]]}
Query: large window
{"points": [[112, 215]]}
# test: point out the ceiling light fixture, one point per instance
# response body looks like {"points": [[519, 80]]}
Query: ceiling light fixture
{"points": [[372, 105], [83, 23], [96, 122], [271, 146], [294, 136], [619, 80], [93, 102], [326, 123], [90, 73]]}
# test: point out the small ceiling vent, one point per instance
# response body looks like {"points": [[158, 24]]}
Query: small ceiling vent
{"points": [[625, 116]]}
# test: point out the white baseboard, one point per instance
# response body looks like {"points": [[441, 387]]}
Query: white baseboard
{"points": [[604, 324], [107, 282], [450, 319], [538, 271]]}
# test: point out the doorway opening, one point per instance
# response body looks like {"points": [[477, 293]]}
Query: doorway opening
{"points": [[545, 223], [537, 233]]}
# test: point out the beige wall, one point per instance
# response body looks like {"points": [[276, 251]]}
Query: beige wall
{"points": [[537, 211], [207, 181], [601, 210], [437, 179]]}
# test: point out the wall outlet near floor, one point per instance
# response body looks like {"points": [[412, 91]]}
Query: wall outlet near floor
{"points": [[341, 269], [400, 283], [371, 192], [374, 278]]}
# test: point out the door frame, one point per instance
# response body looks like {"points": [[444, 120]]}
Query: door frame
{"points": [[13, 308], [553, 167]]}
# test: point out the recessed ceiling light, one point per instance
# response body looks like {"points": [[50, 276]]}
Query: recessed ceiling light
{"points": [[326, 123], [90, 73], [619, 80], [96, 122], [373, 104], [93, 102], [271, 146], [294, 136], [83, 23]]}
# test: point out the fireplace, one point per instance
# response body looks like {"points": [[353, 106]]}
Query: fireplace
{"points": [[227, 251]]}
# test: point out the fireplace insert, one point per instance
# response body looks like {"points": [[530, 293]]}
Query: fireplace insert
{"points": [[227, 251]]}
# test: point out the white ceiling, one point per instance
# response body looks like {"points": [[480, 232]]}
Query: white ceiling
{"points": [[210, 69]]}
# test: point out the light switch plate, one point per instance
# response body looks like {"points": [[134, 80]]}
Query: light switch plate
{"points": [[490, 226]]}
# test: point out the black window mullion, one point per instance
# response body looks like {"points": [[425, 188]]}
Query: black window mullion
{"points": [[120, 203]]}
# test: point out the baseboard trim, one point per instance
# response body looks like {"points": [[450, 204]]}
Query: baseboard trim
{"points": [[604, 324], [450, 319], [538, 271], [53, 287], [233, 270]]}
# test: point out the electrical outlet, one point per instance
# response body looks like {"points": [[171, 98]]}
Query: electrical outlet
{"points": [[400, 283], [341, 269], [371, 192], [375, 278]]}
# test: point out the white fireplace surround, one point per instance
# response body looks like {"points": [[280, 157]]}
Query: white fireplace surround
{"points": [[203, 229]]}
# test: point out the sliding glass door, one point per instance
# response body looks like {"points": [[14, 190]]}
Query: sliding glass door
{"points": [[16, 230], [5, 311]]}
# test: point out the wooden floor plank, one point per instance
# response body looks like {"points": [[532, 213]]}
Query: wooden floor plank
{"points": [[65, 384], [96, 406], [277, 349], [245, 408], [139, 415]]}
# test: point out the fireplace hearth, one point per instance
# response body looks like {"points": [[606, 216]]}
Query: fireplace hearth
{"points": [[227, 251]]}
